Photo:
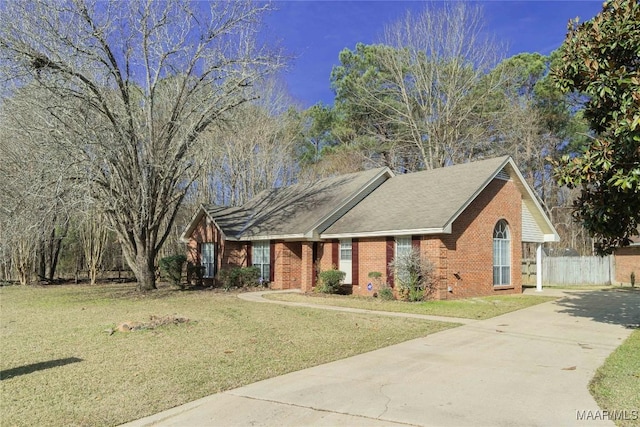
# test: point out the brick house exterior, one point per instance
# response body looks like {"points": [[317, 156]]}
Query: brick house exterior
{"points": [[355, 223], [627, 260]]}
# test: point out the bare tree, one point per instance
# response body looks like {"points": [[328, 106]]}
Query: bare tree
{"points": [[93, 238], [441, 77], [423, 94], [253, 151], [132, 87], [34, 197]]}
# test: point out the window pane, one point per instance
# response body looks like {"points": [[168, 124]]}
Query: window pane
{"points": [[208, 259], [261, 258], [345, 250], [403, 245], [506, 275], [501, 254]]}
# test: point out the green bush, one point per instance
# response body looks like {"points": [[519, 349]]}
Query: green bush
{"points": [[384, 291], [386, 294], [375, 275], [171, 268], [250, 276], [239, 277], [330, 281]]}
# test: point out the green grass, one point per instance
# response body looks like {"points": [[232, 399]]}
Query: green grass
{"points": [[616, 384], [60, 366], [471, 308]]}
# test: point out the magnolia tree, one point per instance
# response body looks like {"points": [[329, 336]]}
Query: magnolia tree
{"points": [[601, 60], [129, 90]]}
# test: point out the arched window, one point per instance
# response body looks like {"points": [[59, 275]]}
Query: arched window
{"points": [[501, 254]]}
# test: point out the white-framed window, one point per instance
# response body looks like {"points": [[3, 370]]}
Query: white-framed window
{"points": [[261, 257], [403, 249], [501, 254], [403, 245], [345, 263], [346, 250], [208, 259]]}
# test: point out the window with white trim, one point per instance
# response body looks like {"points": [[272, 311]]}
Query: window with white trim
{"points": [[208, 259], [346, 250], [501, 254], [261, 257], [403, 245]]}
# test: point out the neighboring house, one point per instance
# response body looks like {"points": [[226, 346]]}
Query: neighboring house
{"points": [[627, 260], [470, 220]]}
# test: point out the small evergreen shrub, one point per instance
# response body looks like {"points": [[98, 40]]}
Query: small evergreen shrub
{"points": [[330, 281], [386, 294], [239, 277], [250, 276], [376, 276], [171, 269]]}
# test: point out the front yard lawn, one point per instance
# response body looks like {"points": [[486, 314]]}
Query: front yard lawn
{"points": [[616, 385], [61, 363], [471, 308]]}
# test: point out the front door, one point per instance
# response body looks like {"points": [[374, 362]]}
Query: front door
{"points": [[345, 260]]}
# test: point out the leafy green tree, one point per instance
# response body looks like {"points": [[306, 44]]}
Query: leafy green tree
{"points": [[317, 123], [601, 59], [367, 102]]}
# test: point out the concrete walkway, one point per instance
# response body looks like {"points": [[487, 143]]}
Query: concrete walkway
{"points": [[527, 368], [258, 297]]}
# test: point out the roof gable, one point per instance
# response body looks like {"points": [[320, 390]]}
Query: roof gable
{"points": [[420, 202], [429, 202], [299, 211], [371, 203]]}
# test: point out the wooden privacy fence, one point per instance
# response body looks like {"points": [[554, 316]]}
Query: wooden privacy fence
{"points": [[568, 270]]}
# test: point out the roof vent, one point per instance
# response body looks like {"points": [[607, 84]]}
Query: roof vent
{"points": [[503, 175]]}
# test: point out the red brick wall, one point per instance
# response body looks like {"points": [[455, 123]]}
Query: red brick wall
{"points": [[325, 256], [307, 269], [234, 254], [435, 250], [467, 253], [470, 246], [371, 257], [627, 260], [203, 233], [287, 265], [229, 253]]}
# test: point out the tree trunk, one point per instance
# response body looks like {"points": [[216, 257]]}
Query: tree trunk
{"points": [[56, 246], [145, 271], [42, 259]]}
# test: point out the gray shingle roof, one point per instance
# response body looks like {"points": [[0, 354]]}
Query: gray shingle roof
{"points": [[418, 201], [296, 210]]}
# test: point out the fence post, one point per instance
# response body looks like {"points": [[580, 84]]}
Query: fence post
{"points": [[612, 269]]}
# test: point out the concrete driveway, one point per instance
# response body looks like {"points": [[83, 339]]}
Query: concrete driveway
{"points": [[527, 368]]}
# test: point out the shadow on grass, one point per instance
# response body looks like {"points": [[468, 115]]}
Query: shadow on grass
{"points": [[34, 367], [615, 307]]}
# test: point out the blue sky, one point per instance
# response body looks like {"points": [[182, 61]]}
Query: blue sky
{"points": [[316, 31]]}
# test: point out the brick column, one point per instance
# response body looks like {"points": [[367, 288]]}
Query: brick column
{"points": [[306, 269]]}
